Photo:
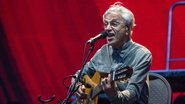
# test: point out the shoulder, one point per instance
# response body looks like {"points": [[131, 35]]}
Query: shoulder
{"points": [[105, 46], [103, 49], [142, 52], [141, 49]]}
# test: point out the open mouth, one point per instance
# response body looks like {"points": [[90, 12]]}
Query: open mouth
{"points": [[110, 37]]}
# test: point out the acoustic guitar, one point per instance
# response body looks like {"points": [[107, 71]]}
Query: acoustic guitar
{"points": [[93, 87]]}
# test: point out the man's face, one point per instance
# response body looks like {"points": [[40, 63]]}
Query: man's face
{"points": [[114, 26]]}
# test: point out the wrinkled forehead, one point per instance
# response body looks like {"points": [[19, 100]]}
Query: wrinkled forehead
{"points": [[113, 16]]}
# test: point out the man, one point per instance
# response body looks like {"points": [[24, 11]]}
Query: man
{"points": [[120, 50]]}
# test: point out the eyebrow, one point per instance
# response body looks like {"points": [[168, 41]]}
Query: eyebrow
{"points": [[113, 20]]}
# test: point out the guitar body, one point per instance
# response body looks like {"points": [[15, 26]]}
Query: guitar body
{"points": [[94, 87], [94, 81]]}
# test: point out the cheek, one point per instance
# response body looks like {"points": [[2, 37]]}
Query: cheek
{"points": [[119, 37], [120, 33]]}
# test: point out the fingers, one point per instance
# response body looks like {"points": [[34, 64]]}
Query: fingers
{"points": [[106, 82], [81, 89], [80, 94], [108, 86]]}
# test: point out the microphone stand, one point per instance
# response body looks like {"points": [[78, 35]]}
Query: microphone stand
{"points": [[72, 88]]}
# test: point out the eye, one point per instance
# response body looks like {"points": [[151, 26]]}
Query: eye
{"points": [[115, 24], [105, 24]]}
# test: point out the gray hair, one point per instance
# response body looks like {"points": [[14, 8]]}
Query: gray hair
{"points": [[127, 15]]}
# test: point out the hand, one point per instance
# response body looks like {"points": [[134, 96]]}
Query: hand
{"points": [[109, 86], [80, 94]]}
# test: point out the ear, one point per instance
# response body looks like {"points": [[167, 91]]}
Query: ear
{"points": [[127, 29]]}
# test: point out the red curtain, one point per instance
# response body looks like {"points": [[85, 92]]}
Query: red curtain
{"points": [[42, 41]]}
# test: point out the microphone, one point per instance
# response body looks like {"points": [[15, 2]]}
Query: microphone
{"points": [[97, 37]]}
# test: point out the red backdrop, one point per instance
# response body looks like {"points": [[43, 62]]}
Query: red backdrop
{"points": [[42, 41]]}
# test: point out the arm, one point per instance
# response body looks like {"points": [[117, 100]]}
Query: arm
{"points": [[88, 69], [136, 82]]}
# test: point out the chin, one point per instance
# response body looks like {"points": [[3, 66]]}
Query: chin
{"points": [[109, 42], [112, 44]]}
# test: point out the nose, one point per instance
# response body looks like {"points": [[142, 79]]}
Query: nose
{"points": [[108, 28]]}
